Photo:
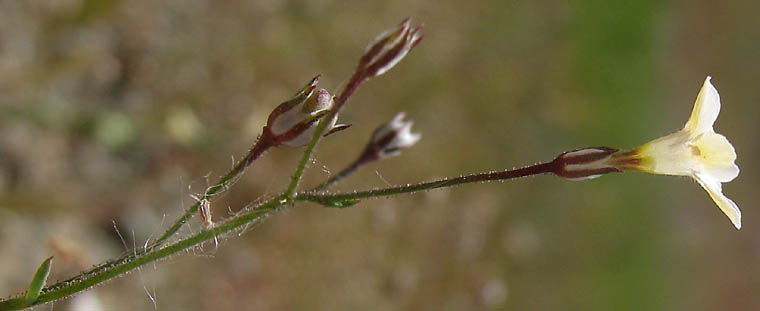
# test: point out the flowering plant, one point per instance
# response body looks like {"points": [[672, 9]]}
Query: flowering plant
{"points": [[302, 121]]}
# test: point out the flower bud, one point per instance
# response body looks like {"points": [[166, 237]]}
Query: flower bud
{"points": [[293, 122], [390, 138], [586, 163], [389, 48]]}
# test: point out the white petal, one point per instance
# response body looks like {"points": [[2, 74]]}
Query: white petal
{"points": [[722, 174], [405, 138], [391, 126], [713, 188], [668, 155], [706, 109], [717, 156]]}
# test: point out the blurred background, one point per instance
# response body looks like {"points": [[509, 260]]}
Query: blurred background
{"points": [[113, 113]]}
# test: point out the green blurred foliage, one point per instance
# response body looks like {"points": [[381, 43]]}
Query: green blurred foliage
{"points": [[116, 111]]}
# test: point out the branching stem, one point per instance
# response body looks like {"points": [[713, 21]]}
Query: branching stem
{"points": [[258, 149], [353, 167], [261, 146], [340, 101], [143, 256], [68, 288]]}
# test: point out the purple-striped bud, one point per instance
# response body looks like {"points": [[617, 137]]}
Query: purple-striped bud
{"points": [[586, 163], [390, 138], [293, 122], [389, 48]]}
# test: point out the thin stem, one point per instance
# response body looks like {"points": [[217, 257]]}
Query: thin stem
{"points": [[150, 253], [339, 176], [68, 288], [296, 179], [143, 256], [337, 200], [117, 266], [353, 84], [261, 146]]}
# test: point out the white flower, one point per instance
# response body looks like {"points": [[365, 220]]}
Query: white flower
{"points": [[695, 151]]}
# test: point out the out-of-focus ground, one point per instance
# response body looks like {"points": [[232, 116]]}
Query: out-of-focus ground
{"points": [[117, 111]]}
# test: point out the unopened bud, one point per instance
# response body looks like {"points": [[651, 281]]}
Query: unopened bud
{"points": [[293, 122], [390, 138], [389, 48], [586, 163]]}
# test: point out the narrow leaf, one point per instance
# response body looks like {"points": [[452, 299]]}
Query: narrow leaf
{"points": [[38, 282]]}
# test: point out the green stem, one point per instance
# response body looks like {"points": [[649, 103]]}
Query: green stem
{"points": [[152, 252], [261, 146], [143, 256], [340, 101], [339, 176], [340, 199], [68, 288], [296, 179]]}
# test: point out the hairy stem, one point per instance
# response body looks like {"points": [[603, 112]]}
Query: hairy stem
{"points": [[333, 200], [159, 248], [350, 169], [258, 149], [338, 177], [296, 178], [261, 146], [143, 256], [68, 288], [152, 251]]}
